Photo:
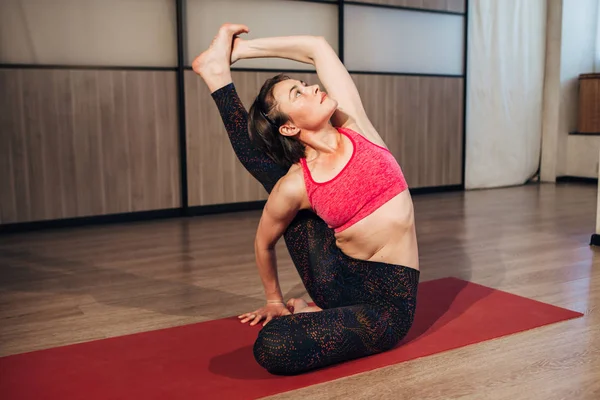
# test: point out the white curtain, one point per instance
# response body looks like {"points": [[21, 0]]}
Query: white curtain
{"points": [[597, 57], [504, 91]]}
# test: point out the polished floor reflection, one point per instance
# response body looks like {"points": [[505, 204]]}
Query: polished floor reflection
{"points": [[72, 285]]}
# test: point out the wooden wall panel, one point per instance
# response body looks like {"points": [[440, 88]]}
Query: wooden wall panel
{"points": [[82, 142], [420, 119], [442, 5], [215, 176]]}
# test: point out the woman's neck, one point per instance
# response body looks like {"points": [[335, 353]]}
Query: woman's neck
{"points": [[323, 141]]}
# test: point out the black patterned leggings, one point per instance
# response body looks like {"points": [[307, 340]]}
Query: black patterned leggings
{"points": [[368, 307]]}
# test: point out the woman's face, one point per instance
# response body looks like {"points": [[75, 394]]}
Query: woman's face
{"points": [[307, 106]]}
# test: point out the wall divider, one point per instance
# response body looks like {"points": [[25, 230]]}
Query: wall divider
{"points": [[179, 5], [182, 66]]}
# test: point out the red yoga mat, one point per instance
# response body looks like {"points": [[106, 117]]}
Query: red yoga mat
{"points": [[214, 359]]}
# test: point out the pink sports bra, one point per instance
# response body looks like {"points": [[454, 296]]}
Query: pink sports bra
{"points": [[370, 179]]}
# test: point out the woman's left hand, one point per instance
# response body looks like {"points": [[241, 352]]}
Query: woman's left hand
{"points": [[267, 312]]}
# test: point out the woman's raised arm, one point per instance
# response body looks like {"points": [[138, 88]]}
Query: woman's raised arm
{"points": [[331, 72]]}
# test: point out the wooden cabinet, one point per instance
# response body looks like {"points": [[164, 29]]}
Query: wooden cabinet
{"points": [[588, 121]]}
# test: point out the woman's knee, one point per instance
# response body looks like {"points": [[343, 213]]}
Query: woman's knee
{"points": [[270, 347]]}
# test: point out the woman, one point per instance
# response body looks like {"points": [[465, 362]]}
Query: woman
{"points": [[317, 153]]}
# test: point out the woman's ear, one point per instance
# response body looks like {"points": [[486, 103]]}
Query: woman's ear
{"points": [[289, 129]]}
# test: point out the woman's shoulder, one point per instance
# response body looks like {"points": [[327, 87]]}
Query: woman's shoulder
{"points": [[291, 186], [294, 179], [366, 131], [291, 183]]}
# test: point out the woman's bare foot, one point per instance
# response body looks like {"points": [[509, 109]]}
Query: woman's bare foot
{"points": [[297, 306], [217, 58]]}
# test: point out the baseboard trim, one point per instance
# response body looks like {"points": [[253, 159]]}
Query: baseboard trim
{"points": [[595, 240], [91, 220], [436, 189], [576, 179], [226, 208], [584, 133], [169, 213]]}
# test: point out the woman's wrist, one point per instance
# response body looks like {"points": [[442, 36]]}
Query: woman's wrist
{"points": [[238, 52], [247, 49], [274, 296]]}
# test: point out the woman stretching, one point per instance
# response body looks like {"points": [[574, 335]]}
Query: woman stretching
{"points": [[336, 194]]}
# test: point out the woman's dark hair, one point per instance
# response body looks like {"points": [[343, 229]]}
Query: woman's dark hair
{"points": [[264, 122]]}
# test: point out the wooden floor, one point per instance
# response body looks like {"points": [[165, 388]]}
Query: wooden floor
{"points": [[66, 286]]}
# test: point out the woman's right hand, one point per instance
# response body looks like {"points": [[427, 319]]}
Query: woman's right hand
{"points": [[267, 313], [237, 50]]}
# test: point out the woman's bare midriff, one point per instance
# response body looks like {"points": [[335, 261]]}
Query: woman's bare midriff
{"points": [[387, 235]]}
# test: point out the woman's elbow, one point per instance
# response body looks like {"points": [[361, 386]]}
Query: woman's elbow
{"points": [[321, 47], [321, 41], [261, 244]]}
